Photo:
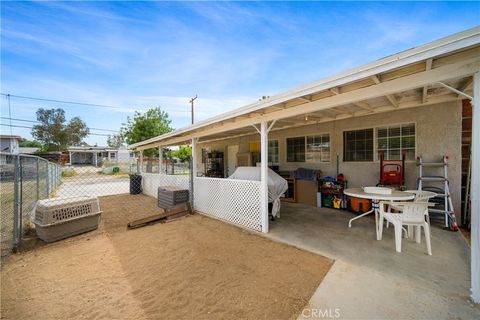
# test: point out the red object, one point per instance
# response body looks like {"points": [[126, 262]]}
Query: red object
{"points": [[341, 177], [392, 172]]}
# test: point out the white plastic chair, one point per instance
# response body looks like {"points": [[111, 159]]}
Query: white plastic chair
{"points": [[413, 214], [420, 196]]}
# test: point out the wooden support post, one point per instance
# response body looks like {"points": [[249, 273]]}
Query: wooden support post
{"points": [[475, 191], [160, 159], [264, 175], [141, 161]]}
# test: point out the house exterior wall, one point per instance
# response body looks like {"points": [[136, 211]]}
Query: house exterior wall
{"points": [[123, 155], [81, 158], [9, 145], [438, 132]]}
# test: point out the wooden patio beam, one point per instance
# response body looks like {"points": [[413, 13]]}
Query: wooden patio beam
{"points": [[413, 81], [428, 66]]}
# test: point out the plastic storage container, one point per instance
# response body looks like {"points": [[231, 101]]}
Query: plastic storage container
{"points": [[60, 218], [359, 205], [169, 197]]}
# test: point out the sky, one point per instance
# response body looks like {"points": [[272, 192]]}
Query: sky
{"points": [[138, 55]]}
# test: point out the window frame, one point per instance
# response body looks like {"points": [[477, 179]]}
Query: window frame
{"points": [[376, 159], [278, 152], [377, 155], [305, 136], [373, 141]]}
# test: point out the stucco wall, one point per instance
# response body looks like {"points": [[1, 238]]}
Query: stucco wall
{"points": [[438, 132]]}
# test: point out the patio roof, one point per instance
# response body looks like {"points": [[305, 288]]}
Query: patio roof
{"points": [[436, 72]]}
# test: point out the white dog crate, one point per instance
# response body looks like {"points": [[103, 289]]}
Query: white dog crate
{"points": [[60, 218]]}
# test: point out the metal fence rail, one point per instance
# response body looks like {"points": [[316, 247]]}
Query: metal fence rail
{"points": [[24, 179]]}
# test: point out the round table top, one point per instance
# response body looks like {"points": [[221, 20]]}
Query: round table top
{"points": [[395, 195]]}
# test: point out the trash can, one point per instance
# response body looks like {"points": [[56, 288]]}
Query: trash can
{"points": [[135, 184]]}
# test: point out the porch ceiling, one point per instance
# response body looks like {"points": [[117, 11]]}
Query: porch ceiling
{"points": [[405, 80]]}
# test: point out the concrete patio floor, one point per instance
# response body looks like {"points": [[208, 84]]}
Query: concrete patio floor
{"points": [[369, 279]]}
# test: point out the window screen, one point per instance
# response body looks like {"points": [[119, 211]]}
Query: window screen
{"points": [[318, 148], [358, 145], [296, 149], [273, 151], [393, 140]]}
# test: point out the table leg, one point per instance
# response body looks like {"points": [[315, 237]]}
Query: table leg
{"points": [[374, 206]]}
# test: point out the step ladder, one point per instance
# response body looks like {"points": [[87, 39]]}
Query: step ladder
{"points": [[442, 189]]}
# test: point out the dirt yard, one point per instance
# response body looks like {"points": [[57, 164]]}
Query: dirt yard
{"points": [[193, 268]]}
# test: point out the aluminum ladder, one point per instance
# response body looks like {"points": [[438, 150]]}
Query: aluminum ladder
{"points": [[443, 197]]}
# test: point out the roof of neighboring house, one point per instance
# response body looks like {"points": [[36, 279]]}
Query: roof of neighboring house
{"points": [[91, 149], [28, 150], [4, 136], [404, 80]]}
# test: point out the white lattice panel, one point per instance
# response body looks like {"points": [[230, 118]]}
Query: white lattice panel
{"points": [[237, 201], [151, 182]]}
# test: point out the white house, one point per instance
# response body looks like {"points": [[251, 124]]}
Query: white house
{"points": [[97, 155], [9, 144], [420, 96]]}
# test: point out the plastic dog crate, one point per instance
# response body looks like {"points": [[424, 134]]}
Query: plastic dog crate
{"points": [[169, 197], [61, 218]]}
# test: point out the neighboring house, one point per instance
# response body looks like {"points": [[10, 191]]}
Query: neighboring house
{"points": [[9, 144], [28, 150], [97, 155]]}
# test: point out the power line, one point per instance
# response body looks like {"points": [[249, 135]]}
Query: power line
{"points": [[34, 121], [72, 102], [16, 126]]}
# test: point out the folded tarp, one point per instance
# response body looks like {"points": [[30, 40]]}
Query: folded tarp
{"points": [[276, 184]]}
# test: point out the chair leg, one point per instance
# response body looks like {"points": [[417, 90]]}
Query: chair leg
{"points": [[398, 237], [426, 228], [418, 234], [410, 232], [380, 227], [428, 219]]}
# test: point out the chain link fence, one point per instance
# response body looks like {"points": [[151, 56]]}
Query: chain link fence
{"points": [[24, 180]]}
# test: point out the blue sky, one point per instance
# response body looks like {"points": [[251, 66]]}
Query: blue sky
{"points": [[136, 55]]}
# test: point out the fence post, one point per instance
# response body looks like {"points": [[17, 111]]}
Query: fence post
{"points": [[17, 210], [48, 180], [38, 180]]}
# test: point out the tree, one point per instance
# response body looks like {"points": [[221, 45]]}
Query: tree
{"points": [[183, 153], [263, 98], [30, 144], [146, 125], [115, 141], [55, 133]]}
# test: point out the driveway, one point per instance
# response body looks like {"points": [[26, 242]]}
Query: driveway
{"points": [[93, 185]]}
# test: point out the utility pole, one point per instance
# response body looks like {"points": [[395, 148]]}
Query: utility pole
{"points": [[191, 101]]}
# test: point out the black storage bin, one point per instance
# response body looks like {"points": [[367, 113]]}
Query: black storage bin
{"points": [[135, 184]]}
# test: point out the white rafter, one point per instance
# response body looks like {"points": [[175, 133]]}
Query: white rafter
{"points": [[428, 66]]}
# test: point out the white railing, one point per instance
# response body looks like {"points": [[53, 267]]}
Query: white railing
{"points": [[236, 201], [151, 182]]}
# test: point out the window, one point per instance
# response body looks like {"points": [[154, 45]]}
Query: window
{"points": [[318, 148], [296, 149], [112, 155], [273, 151], [392, 140], [309, 149], [358, 145]]}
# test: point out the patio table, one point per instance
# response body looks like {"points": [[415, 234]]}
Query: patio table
{"points": [[376, 198]]}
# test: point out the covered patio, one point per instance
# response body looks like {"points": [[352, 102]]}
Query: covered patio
{"points": [[423, 88], [369, 279]]}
